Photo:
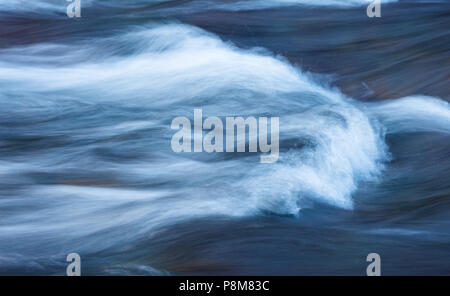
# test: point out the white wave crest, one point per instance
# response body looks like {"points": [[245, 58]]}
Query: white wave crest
{"points": [[181, 67], [413, 114]]}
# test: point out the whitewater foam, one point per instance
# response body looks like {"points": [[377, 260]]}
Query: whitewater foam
{"points": [[178, 65], [330, 143], [413, 114]]}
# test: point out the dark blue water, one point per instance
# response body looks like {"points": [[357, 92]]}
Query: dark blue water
{"points": [[86, 164]]}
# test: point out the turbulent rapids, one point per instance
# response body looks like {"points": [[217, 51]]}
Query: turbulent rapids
{"points": [[86, 163]]}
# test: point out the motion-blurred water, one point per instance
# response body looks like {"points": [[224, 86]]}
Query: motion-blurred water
{"points": [[86, 164]]}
